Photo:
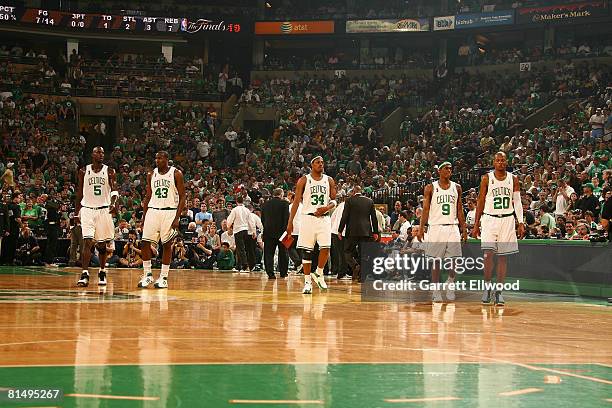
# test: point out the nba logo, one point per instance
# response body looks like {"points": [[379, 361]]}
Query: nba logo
{"points": [[183, 24]]}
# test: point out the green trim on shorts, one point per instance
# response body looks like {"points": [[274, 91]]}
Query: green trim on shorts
{"points": [[174, 235], [149, 240], [105, 240]]}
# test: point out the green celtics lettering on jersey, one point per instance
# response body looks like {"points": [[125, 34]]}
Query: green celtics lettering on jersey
{"points": [[499, 195], [443, 206], [316, 194], [96, 188], [164, 193]]}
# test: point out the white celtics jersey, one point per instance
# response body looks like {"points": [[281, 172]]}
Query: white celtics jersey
{"points": [[443, 207], [96, 188], [316, 194], [499, 195], [163, 190]]}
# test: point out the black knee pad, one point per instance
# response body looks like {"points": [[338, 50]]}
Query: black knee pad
{"points": [[307, 255]]}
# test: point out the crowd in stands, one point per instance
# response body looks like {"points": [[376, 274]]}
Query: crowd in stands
{"points": [[314, 60], [117, 75], [472, 55], [467, 118], [375, 9]]}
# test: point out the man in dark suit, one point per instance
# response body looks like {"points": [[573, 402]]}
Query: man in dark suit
{"points": [[274, 217], [359, 218]]}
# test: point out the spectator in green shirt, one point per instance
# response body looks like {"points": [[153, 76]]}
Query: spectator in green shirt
{"points": [[546, 219], [30, 214], [597, 168], [225, 258], [596, 188], [124, 214]]}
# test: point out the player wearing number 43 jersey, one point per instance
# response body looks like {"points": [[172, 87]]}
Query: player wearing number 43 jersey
{"points": [[317, 193], [499, 202], [95, 201], [164, 200], [443, 216]]}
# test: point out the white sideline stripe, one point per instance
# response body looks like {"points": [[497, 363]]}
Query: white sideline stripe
{"points": [[403, 400], [319, 402], [112, 397], [519, 392]]}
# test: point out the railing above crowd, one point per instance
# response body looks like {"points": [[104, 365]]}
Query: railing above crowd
{"points": [[413, 192]]}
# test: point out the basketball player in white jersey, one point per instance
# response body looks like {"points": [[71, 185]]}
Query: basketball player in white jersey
{"points": [[498, 203], [95, 201], [317, 193], [163, 204], [443, 216]]}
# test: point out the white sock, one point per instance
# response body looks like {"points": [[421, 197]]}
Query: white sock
{"points": [[307, 279], [319, 271], [147, 267], [164, 271], [85, 271]]}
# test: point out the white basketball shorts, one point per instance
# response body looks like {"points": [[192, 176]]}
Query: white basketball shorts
{"points": [[443, 241], [97, 224], [498, 234], [314, 230], [158, 226]]}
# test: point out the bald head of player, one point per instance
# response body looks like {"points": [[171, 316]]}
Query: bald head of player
{"points": [[317, 166], [97, 155], [500, 162], [161, 160], [445, 170]]}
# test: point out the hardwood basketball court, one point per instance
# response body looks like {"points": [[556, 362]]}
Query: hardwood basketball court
{"points": [[222, 339]]}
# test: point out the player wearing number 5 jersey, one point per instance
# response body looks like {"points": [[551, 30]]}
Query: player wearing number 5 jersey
{"points": [[498, 203], [443, 216], [317, 193], [164, 200], [95, 201]]}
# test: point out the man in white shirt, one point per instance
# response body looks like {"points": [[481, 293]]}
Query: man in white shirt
{"points": [[255, 241], [240, 222], [382, 224], [406, 225], [562, 194], [338, 261], [597, 122], [203, 149], [293, 253], [228, 236], [471, 215]]}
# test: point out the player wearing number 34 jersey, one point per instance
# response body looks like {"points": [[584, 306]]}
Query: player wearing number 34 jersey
{"points": [[317, 193]]}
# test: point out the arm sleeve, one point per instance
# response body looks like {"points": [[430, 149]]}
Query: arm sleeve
{"points": [[518, 207]]}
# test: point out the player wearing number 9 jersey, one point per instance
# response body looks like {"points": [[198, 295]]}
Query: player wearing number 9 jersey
{"points": [[499, 202], [163, 204], [444, 218]]}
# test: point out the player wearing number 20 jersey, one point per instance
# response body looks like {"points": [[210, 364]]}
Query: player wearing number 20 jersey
{"points": [[498, 226]]}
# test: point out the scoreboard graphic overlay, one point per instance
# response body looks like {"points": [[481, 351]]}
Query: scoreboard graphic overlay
{"points": [[111, 22]]}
